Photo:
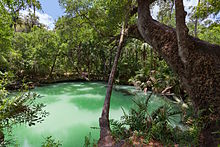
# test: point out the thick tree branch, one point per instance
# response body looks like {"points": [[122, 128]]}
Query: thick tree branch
{"points": [[195, 61], [133, 32], [161, 37]]}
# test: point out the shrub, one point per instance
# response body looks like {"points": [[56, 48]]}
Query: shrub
{"points": [[153, 126]]}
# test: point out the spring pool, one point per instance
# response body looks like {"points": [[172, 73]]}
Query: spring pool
{"points": [[74, 108]]}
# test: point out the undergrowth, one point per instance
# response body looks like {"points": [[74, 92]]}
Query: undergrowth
{"points": [[154, 126]]}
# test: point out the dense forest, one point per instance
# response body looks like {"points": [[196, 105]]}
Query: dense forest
{"points": [[151, 44]]}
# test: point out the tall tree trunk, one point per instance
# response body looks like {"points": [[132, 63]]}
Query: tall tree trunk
{"points": [[106, 138], [195, 61], [53, 65], [110, 61]]}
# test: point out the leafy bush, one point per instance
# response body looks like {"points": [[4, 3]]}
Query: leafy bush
{"points": [[18, 108], [153, 126]]}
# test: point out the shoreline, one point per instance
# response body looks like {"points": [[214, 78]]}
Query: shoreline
{"points": [[31, 83], [40, 82]]}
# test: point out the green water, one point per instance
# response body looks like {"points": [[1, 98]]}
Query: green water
{"points": [[74, 108]]}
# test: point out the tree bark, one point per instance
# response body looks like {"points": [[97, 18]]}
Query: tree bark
{"points": [[106, 138], [196, 62], [53, 65]]}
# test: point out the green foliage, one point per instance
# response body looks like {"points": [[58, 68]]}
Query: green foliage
{"points": [[50, 142], [35, 51], [166, 12], [208, 7], [102, 16], [155, 75], [15, 6], [93, 24], [211, 33], [5, 36], [119, 130], [5, 30], [153, 126], [18, 108]]}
